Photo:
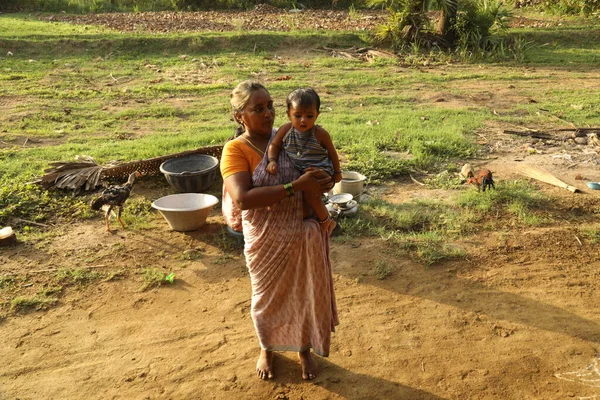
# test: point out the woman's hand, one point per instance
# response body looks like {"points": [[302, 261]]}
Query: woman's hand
{"points": [[314, 180]]}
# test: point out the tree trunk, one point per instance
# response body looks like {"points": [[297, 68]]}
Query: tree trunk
{"points": [[446, 23]]}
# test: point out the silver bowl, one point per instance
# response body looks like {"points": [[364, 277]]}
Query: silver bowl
{"points": [[341, 200]]}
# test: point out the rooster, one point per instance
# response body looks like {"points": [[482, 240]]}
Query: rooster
{"points": [[482, 179], [112, 196]]}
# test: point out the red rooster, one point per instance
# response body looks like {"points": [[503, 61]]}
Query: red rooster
{"points": [[112, 196], [482, 179]]}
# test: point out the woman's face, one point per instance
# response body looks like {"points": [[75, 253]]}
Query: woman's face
{"points": [[258, 115]]}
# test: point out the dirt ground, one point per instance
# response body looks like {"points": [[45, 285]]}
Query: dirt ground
{"points": [[516, 319]]}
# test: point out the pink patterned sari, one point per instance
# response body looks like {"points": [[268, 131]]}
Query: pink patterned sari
{"points": [[293, 301]]}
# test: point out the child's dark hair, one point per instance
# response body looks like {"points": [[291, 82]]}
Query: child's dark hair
{"points": [[304, 98]]}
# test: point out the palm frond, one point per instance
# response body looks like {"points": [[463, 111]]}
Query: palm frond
{"points": [[83, 173]]}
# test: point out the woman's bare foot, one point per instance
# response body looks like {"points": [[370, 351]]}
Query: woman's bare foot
{"points": [[264, 365], [309, 365]]}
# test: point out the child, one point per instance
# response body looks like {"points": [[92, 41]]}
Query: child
{"points": [[307, 145]]}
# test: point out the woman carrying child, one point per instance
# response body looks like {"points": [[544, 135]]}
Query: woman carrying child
{"points": [[287, 253]]}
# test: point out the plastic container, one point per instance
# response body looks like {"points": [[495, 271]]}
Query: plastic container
{"points": [[193, 173], [352, 182], [238, 236], [594, 185], [185, 211]]}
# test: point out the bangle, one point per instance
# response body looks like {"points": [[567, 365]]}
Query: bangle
{"points": [[272, 159], [289, 189]]}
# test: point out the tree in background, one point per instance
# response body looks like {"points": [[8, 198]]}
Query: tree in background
{"points": [[464, 22]]}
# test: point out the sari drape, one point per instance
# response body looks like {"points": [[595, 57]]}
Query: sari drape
{"points": [[293, 301]]}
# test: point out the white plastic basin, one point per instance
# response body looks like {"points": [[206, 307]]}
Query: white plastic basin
{"points": [[185, 211]]}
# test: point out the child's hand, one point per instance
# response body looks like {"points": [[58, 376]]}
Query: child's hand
{"points": [[337, 176], [272, 167]]}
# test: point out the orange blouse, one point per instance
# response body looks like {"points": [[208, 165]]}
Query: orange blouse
{"points": [[238, 156]]}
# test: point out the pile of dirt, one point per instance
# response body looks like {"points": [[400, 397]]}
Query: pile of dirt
{"points": [[263, 18]]}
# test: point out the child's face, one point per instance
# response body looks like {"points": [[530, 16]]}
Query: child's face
{"points": [[303, 118]]}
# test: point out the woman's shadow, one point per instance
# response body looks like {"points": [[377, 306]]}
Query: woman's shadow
{"points": [[345, 383]]}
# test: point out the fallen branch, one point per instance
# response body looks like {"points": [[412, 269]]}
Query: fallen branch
{"points": [[363, 53], [416, 181], [533, 134], [578, 129], [30, 222]]}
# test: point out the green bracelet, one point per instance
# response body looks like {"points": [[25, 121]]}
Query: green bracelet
{"points": [[289, 189]]}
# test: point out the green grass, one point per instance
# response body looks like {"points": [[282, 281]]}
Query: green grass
{"points": [[382, 270], [73, 90], [28, 303], [6, 282], [79, 276], [517, 198], [592, 234], [429, 248], [153, 278], [426, 229], [463, 213]]}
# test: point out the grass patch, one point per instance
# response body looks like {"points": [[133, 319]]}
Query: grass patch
{"points": [[51, 291], [193, 254], [429, 247], [380, 218], [155, 277], [223, 259], [115, 275], [427, 228], [445, 180], [591, 234], [28, 303], [517, 198], [382, 270], [81, 276], [7, 282]]}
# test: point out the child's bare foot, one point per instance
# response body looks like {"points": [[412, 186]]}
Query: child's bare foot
{"points": [[309, 365], [328, 225], [331, 226], [264, 365]]}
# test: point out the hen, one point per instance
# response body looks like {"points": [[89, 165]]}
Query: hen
{"points": [[483, 179], [114, 196]]}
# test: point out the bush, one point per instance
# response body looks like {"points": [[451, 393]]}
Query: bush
{"points": [[478, 20], [573, 7]]}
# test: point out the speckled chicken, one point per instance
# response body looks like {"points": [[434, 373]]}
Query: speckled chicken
{"points": [[114, 196]]}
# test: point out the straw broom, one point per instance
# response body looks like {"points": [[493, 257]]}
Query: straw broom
{"points": [[544, 176]]}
